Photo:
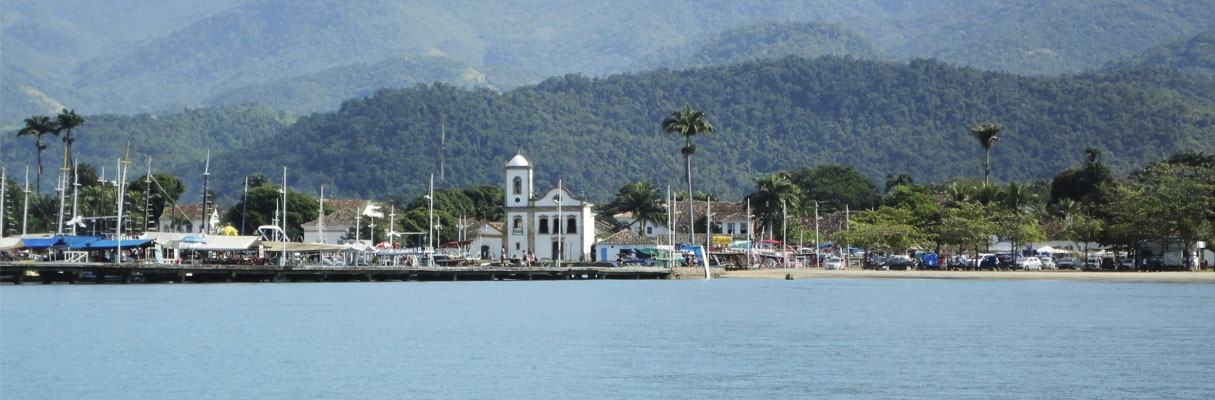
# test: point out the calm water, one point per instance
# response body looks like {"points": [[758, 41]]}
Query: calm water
{"points": [[610, 339]]}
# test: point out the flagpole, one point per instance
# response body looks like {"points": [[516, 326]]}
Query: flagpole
{"points": [[244, 211], [3, 197]]}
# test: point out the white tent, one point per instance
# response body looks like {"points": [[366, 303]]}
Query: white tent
{"points": [[1050, 250]]}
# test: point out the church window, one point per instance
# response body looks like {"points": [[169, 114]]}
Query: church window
{"points": [[543, 225], [518, 185], [571, 226], [517, 226]]}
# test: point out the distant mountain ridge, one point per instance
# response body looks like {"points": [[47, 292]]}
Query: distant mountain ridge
{"points": [[182, 53]]}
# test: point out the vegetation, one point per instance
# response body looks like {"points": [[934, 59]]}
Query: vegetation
{"points": [[113, 59], [688, 123]]}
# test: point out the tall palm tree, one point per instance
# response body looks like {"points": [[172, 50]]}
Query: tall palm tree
{"points": [[65, 121], [771, 192], [37, 126], [688, 123], [986, 133]]}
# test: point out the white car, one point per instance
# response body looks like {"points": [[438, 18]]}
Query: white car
{"points": [[834, 263], [1029, 263]]}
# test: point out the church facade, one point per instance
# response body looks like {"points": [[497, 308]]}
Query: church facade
{"points": [[546, 225]]}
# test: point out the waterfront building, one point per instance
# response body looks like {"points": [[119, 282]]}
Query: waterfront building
{"points": [[547, 225], [346, 213]]}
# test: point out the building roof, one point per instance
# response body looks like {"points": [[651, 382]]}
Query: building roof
{"points": [[345, 212], [624, 237], [192, 211], [518, 161]]}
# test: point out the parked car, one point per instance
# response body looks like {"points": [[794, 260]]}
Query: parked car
{"points": [[1029, 263], [834, 263], [898, 262], [1068, 263], [1092, 264], [1048, 263], [989, 262], [1127, 264]]}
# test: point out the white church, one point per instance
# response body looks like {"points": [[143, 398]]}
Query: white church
{"points": [[549, 225]]}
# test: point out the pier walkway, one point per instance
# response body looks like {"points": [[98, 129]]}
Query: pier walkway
{"points": [[51, 272]]}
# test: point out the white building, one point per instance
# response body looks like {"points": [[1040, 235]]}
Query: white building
{"points": [[346, 213], [548, 225], [487, 242]]}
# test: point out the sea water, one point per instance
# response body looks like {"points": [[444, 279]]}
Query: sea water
{"points": [[726, 338]]}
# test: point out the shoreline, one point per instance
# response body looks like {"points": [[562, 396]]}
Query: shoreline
{"points": [[1062, 275]]}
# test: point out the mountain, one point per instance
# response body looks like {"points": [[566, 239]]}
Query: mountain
{"points": [[764, 41], [177, 142], [325, 90], [128, 56], [1193, 56], [601, 133]]}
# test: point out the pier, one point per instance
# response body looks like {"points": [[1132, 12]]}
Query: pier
{"points": [[47, 273]]}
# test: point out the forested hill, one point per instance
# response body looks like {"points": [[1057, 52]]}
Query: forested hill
{"points": [[598, 134], [766, 40], [125, 56], [1193, 56]]}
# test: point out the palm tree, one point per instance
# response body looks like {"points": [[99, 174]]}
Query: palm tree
{"points": [[37, 126], [65, 121], [642, 199], [771, 191], [986, 133], [688, 123]]}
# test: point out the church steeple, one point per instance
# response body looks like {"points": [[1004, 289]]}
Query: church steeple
{"points": [[518, 182]]}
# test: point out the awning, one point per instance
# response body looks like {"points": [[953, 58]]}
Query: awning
{"points": [[227, 243], [79, 242], [301, 247], [647, 251], [42, 243], [10, 243], [113, 244], [720, 240]]}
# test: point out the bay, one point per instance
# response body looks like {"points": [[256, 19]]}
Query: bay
{"points": [[727, 338]]}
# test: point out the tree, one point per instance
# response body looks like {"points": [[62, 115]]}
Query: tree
{"points": [[166, 188], [1088, 185], [65, 121], [774, 193], [487, 202], [264, 200], [642, 199], [37, 126], [986, 133], [893, 181], [1084, 229], [688, 123], [1017, 228], [836, 186]]}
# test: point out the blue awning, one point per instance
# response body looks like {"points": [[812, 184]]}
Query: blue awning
{"points": [[113, 244], [79, 242], [42, 243]]}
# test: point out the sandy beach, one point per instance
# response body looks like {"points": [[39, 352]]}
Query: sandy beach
{"points": [[816, 273]]}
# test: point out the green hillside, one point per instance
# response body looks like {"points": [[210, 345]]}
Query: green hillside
{"points": [[772, 115], [127, 56], [325, 90], [1194, 56], [766, 40], [177, 142]]}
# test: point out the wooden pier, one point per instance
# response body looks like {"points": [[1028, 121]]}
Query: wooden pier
{"points": [[48, 273]]}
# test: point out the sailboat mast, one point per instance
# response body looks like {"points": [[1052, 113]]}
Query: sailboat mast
{"points": [[62, 191], [320, 221], [25, 212], [206, 180], [442, 147], [147, 195], [3, 187], [282, 260], [75, 195]]}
